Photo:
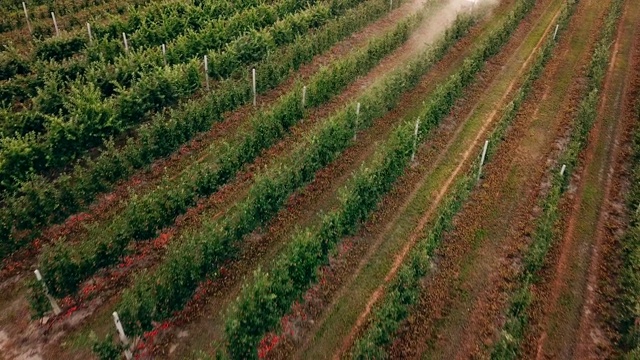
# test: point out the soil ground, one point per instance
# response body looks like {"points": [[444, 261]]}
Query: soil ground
{"points": [[464, 298], [573, 320]]}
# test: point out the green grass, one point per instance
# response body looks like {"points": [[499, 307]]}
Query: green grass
{"points": [[333, 330]]}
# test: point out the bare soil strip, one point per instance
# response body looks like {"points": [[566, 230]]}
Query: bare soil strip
{"points": [[260, 246], [576, 322], [320, 340], [206, 329], [462, 303], [109, 204], [420, 228], [95, 315]]}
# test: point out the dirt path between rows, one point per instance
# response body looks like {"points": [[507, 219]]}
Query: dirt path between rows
{"points": [[415, 236], [94, 314], [207, 329], [303, 207], [595, 216], [109, 204], [315, 312], [462, 303]]}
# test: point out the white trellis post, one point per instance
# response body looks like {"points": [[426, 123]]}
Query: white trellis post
{"points": [[415, 140], [52, 301], [89, 31], [390, 5], [206, 71], [255, 95], [304, 96], [123, 336], [355, 128], [55, 23], [482, 158], [26, 15], [126, 43], [556, 32], [164, 54], [564, 168]]}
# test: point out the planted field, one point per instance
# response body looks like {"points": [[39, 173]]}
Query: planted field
{"points": [[319, 179]]}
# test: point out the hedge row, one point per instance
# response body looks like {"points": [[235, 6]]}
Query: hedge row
{"points": [[145, 25], [157, 295], [41, 202], [84, 124], [266, 299], [68, 14], [629, 302], [79, 128], [145, 215], [212, 38], [508, 345], [105, 62], [403, 292], [106, 65]]}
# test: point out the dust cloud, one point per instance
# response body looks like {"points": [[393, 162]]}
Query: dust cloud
{"points": [[441, 16]]}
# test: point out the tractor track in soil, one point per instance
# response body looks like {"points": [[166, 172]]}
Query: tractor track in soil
{"points": [[463, 300], [346, 270], [12, 278], [594, 222], [14, 273], [420, 228], [325, 178], [303, 207], [110, 203]]}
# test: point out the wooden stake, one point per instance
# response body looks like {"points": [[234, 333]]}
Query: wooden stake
{"points": [[89, 31], [26, 15], [123, 336], [415, 140], [484, 154], [255, 95], [55, 23], [52, 301], [126, 44], [206, 71]]}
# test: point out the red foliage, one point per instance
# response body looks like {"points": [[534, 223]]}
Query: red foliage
{"points": [[267, 344]]}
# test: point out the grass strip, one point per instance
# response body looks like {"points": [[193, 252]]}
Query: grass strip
{"points": [[266, 298], [508, 345]]}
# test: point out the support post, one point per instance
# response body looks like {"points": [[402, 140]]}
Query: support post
{"points": [[556, 32], [164, 54], [89, 32], [415, 140], [52, 301], [206, 71], [355, 128], [482, 158], [26, 15], [123, 336], [126, 43], [564, 168], [255, 95], [55, 23], [304, 96], [390, 5]]}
